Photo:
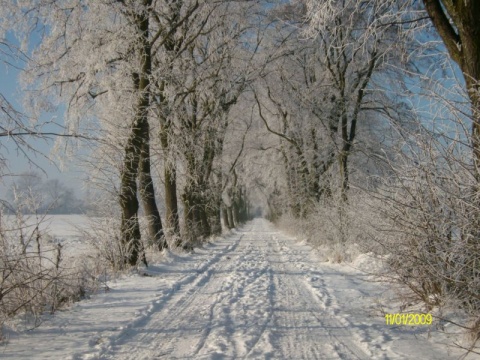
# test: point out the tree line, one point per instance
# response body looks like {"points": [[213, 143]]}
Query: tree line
{"points": [[194, 112]]}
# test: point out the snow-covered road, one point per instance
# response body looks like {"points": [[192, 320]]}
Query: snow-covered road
{"points": [[255, 294]]}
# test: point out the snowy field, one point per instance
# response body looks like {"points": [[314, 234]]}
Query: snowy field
{"points": [[254, 294], [63, 229]]}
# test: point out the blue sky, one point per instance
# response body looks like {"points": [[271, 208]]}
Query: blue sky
{"points": [[16, 161]]}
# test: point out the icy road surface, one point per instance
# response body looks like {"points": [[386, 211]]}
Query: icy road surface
{"points": [[255, 294]]}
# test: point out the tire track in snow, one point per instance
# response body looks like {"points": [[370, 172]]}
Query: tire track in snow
{"points": [[244, 308], [269, 318], [222, 303], [256, 294], [248, 303], [185, 329], [176, 298], [295, 335], [183, 305], [298, 317]]}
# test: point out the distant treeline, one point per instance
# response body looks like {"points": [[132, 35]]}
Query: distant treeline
{"points": [[29, 193]]}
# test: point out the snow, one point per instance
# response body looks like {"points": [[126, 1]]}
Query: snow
{"points": [[255, 293], [64, 229]]}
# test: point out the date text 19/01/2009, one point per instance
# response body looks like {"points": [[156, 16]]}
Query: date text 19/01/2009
{"points": [[408, 319]]}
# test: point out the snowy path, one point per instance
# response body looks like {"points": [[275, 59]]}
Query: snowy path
{"points": [[255, 294]]}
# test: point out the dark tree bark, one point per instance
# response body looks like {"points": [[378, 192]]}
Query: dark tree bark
{"points": [[196, 218], [130, 227], [171, 200], [225, 217], [197, 225], [231, 223], [215, 205], [170, 173], [147, 191], [462, 39], [348, 133], [147, 194], [216, 222]]}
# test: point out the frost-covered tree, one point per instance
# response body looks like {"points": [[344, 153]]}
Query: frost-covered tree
{"points": [[457, 24], [430, 196], [357, 41], [136, 73], [319, 94], [207, 62], [21, 127], [50, 196], [94, 56]]}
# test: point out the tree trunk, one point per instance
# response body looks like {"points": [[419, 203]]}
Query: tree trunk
{"points": [[130, 227], [195, 212], [474, 95], [196, 218], [147, 191], [225, 217], [189, 218], [216, 221], [206, 229], [215, 204], [343, 165], [214, 216], [236, 220], [315, 173], [458, 25], [231, 223], [171, 202], [147, 194], [190, 202]]}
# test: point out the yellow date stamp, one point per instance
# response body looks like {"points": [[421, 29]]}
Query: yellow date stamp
{"points": [[408, 319]]}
